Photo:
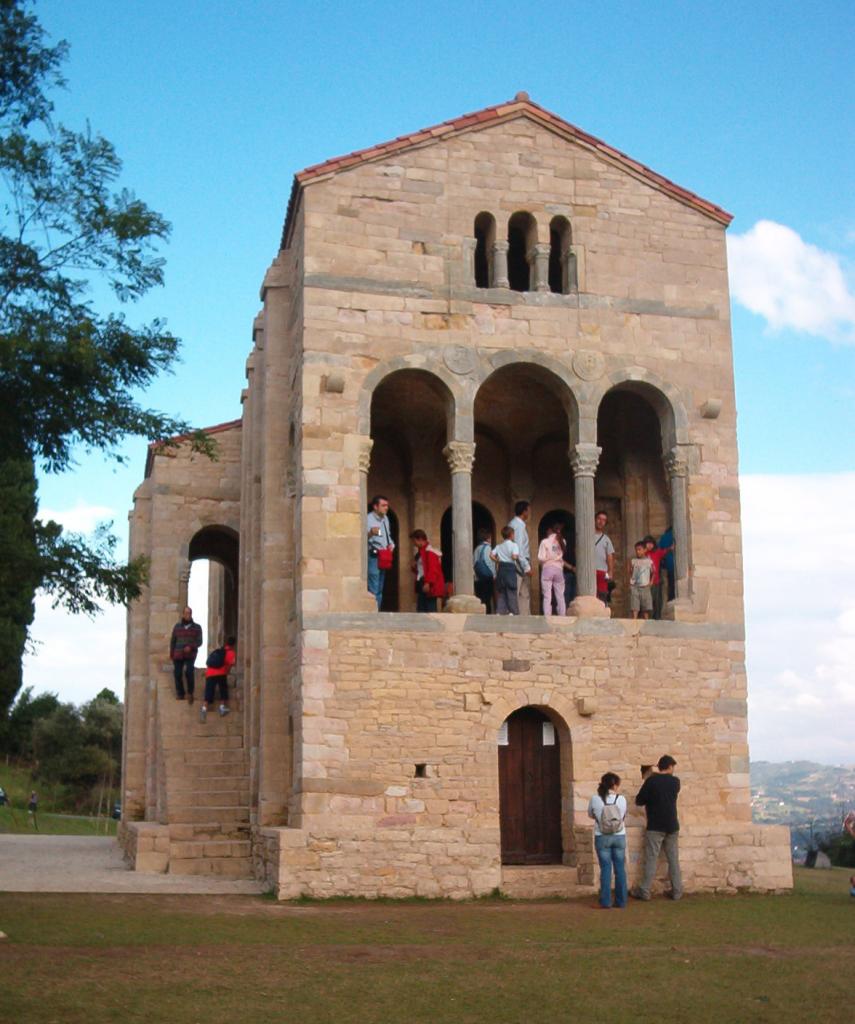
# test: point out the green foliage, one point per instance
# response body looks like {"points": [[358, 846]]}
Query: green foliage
{"points": [[69, 373], [17, 730], [79, 747], [20, 571], [841, 850]]}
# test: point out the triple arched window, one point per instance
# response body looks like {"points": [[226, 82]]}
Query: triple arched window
{"points": [[519, 262]]}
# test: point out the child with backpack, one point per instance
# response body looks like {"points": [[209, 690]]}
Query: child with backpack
{"points": [[485, 574], [219, 664], [608, 809]]}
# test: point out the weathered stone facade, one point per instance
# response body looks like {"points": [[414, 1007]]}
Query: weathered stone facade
{"points": [[405, 346]]}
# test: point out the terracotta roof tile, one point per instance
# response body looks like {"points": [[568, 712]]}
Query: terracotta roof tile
{"points": [[520, 105]]}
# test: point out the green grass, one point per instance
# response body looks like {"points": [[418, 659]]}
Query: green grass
{"points": [[18, 783], [182, 959], [16, 820]]}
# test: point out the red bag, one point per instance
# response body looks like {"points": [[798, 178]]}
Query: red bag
{"points": [[385, 557]]}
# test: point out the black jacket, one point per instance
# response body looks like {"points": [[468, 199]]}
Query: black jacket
{"points": [[658, 796]]}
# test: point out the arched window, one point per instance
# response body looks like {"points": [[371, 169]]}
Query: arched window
{"points": [[562, 261], [485, 236], [522, 235]]}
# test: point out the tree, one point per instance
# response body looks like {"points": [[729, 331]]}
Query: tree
{"points": [[69, 373], [16, 733]]}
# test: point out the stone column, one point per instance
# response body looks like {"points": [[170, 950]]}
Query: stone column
{"points": [[677, 469], [538, 258], [364, 461], [500, 265], [584, 458], [461, 455], [569, 272]]}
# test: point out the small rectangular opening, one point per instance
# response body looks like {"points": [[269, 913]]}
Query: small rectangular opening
{"points": [[421, 771]]}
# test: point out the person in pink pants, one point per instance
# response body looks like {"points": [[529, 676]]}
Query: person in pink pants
{"points": [[550, 554]]}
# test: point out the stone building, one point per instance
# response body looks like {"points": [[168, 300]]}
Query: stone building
{"points": [[500, 307]]}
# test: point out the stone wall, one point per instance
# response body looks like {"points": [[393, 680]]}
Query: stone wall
{"points": [[383, 694]]}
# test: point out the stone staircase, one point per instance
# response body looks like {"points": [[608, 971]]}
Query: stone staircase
{"points": [[208, 793]]}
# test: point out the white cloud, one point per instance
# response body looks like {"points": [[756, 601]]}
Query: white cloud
{"points": [[799, 543], [80, 519], [791, 283]]}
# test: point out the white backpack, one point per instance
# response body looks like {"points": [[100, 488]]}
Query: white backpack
{"points": [[611, 820]]}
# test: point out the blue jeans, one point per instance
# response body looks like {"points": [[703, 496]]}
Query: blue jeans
{"points": [[376, 579], [611, 851]]}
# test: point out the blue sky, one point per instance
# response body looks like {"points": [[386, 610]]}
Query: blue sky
{"points": [[213, 106]]}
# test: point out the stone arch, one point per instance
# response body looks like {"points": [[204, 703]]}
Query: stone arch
{"points": [[484, 230], [662, 396], [554, 371], [449, 386], [522, 237], [218, 543]]}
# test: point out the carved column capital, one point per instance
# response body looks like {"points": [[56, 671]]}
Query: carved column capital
{"points": [[584, 458], [460, 456], [501, 245], [363, 454], [676, 462]]}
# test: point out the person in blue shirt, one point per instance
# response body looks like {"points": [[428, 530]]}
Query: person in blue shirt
{"points": [[667, 541]]}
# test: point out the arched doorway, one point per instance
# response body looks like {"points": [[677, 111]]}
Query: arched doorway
{"points": [[630, 485], [481, 520], [218, 546], [530, 789], [410, 415]]}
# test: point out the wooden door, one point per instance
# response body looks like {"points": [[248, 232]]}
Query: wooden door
{"points": [[530, 789]]}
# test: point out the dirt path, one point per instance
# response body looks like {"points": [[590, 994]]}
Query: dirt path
{"points": [[92, 864]]}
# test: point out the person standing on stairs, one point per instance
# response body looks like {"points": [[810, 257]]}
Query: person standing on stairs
{"points": [[217, 676], [184, 645]]}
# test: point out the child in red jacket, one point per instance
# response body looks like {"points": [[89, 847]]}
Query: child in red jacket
{"points": [[217, 677], [427, 565]]}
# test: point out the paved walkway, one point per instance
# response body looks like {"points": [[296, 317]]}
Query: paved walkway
{"points": [[93, 864]]}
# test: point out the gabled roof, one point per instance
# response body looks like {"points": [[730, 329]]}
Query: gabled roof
{"points": [[156, 448], [519, 106]]}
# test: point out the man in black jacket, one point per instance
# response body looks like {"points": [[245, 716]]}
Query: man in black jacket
{"points": [[658, 796], [184, 645]]}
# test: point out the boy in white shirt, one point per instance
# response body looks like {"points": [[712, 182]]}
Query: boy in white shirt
{"points": [[507, 557], [641, 570]]}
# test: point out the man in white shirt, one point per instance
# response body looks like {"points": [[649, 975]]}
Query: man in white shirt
{"points": [[379, 537], [522, 512], [604, 556]]}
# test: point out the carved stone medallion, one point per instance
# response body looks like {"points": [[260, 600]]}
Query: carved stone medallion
{"points": [[588, 365], [459, 360]]}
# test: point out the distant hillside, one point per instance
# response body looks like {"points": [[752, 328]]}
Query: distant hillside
{"points": [[801, 792]]}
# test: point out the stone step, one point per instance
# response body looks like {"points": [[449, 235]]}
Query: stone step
{"points": [[224, 867], [212, 728], [183, 774], [524, 882], [186, 849], [180, 744], [182, 783], [206, 757], [231, 815], [208, 830], [215, 798]]}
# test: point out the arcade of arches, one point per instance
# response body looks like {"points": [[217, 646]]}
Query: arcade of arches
{"points": [[524, 420]]}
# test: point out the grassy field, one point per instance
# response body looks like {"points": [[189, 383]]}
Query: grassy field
{"points": [[204, 959], [17, 783]]}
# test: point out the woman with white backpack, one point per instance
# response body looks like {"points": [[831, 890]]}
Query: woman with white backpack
{"points": [[608, 809]]}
